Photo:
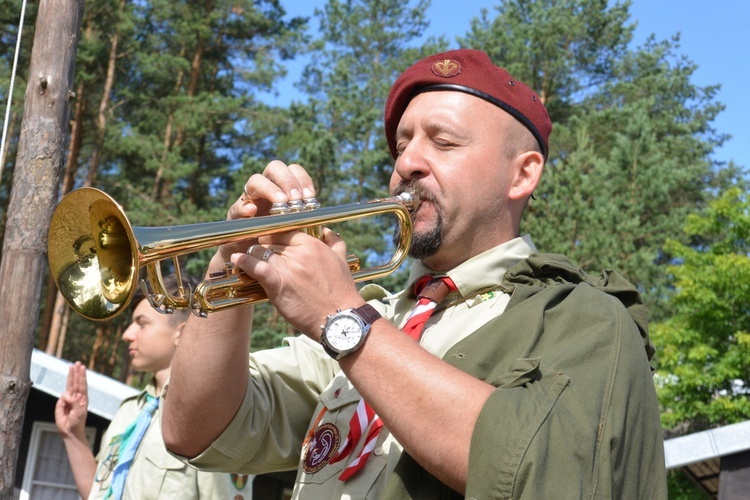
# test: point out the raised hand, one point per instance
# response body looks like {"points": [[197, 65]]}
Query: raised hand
{"points": [[72, 407]]}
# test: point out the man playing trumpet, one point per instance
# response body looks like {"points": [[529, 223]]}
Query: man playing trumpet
{"points": [[498, 372]]}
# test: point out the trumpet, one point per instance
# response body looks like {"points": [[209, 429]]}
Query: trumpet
{"points": [[95, 254]]}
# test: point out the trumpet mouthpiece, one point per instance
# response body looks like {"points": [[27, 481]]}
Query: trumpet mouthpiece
{"points": [[408, 199]]}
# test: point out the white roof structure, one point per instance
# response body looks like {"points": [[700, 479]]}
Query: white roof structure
{"points": [[49, 374], [713, 443], [700, 457]]}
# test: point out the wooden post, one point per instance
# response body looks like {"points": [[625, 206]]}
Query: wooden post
{"points": [[41, 150]]}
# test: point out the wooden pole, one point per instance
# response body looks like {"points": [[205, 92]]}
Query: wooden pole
{"points": [[41, 149]]}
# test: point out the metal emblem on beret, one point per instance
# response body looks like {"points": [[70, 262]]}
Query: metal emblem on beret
{"points": [[321, 448], [446, 68]]}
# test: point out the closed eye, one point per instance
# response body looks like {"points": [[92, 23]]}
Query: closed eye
{"points": [[401, 147]]}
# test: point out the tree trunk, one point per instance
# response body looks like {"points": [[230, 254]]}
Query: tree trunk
{"points": [[47, 317], [34, 193], [77, 133], [54, 304], [167, 142], [63, 332], [58, 309]]}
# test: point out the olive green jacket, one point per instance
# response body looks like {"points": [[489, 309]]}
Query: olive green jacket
{"points": [[575, 413]]}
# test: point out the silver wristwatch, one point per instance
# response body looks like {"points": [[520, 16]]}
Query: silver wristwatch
{"points": [[345, 331]]}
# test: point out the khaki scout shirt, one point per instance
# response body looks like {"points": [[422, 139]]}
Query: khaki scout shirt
{"points": [[154, 473], [296, 389]]}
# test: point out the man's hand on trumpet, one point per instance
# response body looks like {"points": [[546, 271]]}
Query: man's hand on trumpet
{"points": [[279, 183], [304, 277]]}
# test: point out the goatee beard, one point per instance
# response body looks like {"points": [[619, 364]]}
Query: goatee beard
{"points": [[426, 245], [423, 245]]}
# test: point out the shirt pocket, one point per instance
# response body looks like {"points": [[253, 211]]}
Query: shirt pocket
{"points": [[167, 477], [338, 404]]}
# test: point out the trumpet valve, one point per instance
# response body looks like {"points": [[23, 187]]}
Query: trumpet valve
{"points": [[279, 208], [296, 206], [311, 203]]}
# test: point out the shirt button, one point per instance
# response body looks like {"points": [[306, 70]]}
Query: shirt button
{"points": [[378, 451]]}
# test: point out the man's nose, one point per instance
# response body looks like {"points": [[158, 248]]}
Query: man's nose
{"points": [[411, 163]]}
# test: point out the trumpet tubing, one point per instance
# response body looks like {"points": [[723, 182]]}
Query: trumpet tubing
{"points": [[95, 254]]}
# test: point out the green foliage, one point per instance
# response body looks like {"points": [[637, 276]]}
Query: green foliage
{"points": [[111, 353], [269, 328], [703, 357], [191, 83], [681, 488], [363, 47]]}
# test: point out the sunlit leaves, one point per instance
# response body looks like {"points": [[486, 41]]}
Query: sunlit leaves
{"points": [[703, 350]]}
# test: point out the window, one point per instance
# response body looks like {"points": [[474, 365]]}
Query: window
{"points": [[47, 475]]}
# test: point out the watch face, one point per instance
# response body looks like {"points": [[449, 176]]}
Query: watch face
{"points": [[344, 332]]}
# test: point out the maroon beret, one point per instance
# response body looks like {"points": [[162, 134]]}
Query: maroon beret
{"points": [[469, 71]]}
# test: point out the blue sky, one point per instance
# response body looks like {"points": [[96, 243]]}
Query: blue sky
{"points": [[713, 35]]}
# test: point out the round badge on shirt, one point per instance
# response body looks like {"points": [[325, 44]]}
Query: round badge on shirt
{"points": [[321, 448]]}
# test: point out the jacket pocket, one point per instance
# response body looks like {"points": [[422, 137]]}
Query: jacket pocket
{"points": [[511, 420]]}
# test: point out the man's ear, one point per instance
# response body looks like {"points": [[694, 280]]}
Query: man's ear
{"points": [[529, 167], [178, 333]]}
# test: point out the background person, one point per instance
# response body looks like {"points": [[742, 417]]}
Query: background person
{"points": [[132, 464], [529, 379]]}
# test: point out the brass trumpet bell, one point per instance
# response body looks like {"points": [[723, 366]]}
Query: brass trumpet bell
{"points": [[95, 254]]}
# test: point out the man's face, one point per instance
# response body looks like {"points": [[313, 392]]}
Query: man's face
{"points": [[152, 339], [452, 154]]}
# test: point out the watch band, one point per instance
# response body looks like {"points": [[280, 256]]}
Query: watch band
{"points": [[368, 313]]}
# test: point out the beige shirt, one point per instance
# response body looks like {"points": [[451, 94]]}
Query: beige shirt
{"points": [[298, 396], [154, 473]]}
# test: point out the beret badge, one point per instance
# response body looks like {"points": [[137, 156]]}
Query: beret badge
{"points": [[446, 68]]}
